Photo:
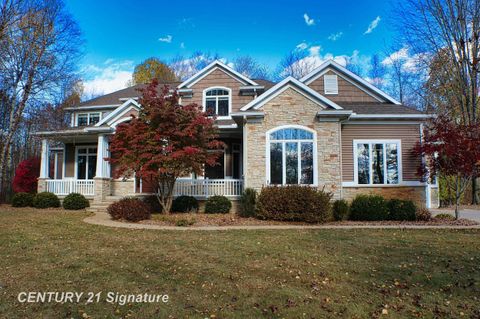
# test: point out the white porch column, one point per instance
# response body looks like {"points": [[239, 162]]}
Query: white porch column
{"points": [[44, 160], [103, 166]]}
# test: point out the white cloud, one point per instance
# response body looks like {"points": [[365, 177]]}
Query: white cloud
{"points": [[373, 25], [315, 50], [408, 62], [302, 46], [182, 45], [335, 36], [109, 77], [309, 21], [167, 39]]}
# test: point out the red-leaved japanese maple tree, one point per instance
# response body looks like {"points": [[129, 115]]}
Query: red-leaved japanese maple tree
{"points": [[26, 176], [167, 140], [450, 149]]}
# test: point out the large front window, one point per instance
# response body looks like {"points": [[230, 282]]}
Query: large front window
{"points": [[86, 162], [85, 119], [217, 101], [377, 162], [292, 156]]}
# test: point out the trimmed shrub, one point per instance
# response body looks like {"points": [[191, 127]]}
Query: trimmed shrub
{"points": [[75, 201], [153, 203], [445, 216], [341, 209], [217, 205], [131, 209], [185, 204], [401, 209], [22, 199], [369, 207], [247, 203], [46, 200], [423, 214], [294, 203]]}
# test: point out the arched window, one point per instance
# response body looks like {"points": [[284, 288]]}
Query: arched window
{"points": [[217, 101], [291, 156]]}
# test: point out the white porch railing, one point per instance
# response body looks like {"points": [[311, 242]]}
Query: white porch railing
{"points": [[66, 186], [208, 187]]}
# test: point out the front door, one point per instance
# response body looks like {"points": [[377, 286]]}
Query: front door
{"points": [[86, 162]]}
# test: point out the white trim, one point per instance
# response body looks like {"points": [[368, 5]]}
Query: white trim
{"points": [[377, 141], [312, 76], [403, 184], [382, 122], [298, 86], [391, 116], [267, 153], [209, 69], [120, 109], [120, 121], [231, 126], [75, 175], [204, 101], [88, 114], [92, 107]]}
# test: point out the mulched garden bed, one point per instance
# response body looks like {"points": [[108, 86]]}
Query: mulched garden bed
{"points": [[235, 220]]}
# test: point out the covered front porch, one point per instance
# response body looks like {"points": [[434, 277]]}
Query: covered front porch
{"points": [[74, 162]]}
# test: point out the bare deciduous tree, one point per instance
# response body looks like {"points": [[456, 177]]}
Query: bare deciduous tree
{"points": [[249, 67], [39, 47], [297, 64]]}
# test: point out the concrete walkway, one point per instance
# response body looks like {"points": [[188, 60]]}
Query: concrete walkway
{"points": [[467, 213], [103, 219]]}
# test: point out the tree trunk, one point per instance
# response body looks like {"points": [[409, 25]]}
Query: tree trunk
{"points": [[165, 192], [474, 191]]}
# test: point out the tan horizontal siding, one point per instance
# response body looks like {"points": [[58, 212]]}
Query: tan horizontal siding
{"points": [[408, 134], [219, 78], [347, 92]]}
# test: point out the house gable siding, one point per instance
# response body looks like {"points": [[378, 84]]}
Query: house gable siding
{"points": [[347, 92], [218, 77]]}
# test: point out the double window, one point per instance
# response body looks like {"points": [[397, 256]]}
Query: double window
{"points": [[217, 101], [377, 162], [86, 162], [85, 119], [292, 156]]}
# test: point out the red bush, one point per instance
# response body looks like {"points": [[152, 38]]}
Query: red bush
{"points": [[131, 209], [26, 176]]}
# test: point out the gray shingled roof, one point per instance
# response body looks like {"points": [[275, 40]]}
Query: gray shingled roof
{"points": [[379, 108]]}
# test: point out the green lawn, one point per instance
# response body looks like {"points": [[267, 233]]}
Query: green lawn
{"points": [[237, 274]]}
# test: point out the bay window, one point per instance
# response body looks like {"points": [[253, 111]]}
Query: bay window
{"points": [[291, 153], [377, 162]]}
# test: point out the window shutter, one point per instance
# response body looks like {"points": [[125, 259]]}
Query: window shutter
{"points": [[331, 84]]}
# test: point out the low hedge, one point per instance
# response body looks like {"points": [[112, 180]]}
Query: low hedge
{"points": [[294, 203], [423, 214], [46, 200], [75, 201], [23, 199], [217, 205], [185, 204], [401, 209], [369, 208], [248, 202], [341, 210], [130, 209]]}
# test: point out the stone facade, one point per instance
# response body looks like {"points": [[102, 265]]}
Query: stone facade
{"points": [[292, 108], [102, 189], [414, 193], [122, 188]]}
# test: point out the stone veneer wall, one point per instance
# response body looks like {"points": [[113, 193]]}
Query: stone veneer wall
{"points": [[414, 193], [291, 107], [122, 188]]}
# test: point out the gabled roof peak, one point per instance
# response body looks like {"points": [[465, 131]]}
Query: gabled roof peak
{"points": [[310, 77], [209, 68]]}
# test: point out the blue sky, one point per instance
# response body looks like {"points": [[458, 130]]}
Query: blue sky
{"points": [[121, 33]]}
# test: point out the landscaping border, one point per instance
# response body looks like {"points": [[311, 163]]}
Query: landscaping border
{"points": [[103, 219]]}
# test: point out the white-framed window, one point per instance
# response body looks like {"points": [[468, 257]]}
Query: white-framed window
{"points": [[85, 162], [330, 82], [377, 162], [217, 101], [85, 119], [291, 156]]}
